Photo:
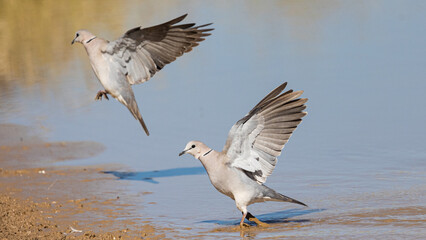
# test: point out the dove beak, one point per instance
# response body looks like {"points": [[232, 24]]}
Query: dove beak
{"points": [[73, 41], [183, 152]]}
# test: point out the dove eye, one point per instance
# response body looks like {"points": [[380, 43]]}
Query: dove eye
{"points": [[193, 146], [77, 35]]}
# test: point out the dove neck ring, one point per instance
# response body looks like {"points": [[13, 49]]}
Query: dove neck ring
{"points": [[90, 39], [209, 151]]}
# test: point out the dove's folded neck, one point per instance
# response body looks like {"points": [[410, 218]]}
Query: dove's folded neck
{"points": [[88, 41], [209, 156], [205, 154]]}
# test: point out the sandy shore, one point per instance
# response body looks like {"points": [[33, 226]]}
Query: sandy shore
{"points": [[41, 201], [30, 207]]}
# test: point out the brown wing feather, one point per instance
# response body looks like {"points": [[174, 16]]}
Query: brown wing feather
{"points": [[160, 44]]}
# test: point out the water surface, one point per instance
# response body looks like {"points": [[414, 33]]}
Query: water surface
{"points": [[358, 158]]}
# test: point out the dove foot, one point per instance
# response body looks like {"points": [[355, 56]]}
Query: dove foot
{"points": [[245, 225], [100, 94], [259, 223]]}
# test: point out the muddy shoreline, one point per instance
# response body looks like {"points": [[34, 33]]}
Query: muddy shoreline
{"points": [[41, 201], [28, 212]]}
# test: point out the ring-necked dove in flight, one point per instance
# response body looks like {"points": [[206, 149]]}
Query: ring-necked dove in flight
{"points": [[137, 56], [251, 151]]}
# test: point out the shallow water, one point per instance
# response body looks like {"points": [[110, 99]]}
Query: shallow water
{"points": [[358, 159]]}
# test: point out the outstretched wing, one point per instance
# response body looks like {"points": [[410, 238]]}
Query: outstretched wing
{"points": [[144, 51], [256, 140]]}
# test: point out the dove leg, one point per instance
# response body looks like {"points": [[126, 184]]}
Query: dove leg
{"points": [[242, 224], [252, 218], [102, 93]]}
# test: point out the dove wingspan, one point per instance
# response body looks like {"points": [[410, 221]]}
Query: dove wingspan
{"points": [[256, 140], [144, 51]]}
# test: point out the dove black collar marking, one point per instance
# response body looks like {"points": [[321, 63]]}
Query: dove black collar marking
{"points": [[90, 39], [207, 152]]}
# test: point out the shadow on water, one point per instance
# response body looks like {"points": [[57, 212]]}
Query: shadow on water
{"points": [[275, 217], [150, 175]]}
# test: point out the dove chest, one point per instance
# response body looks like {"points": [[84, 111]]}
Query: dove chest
{"points": [[101, 67], [226, 181], [108, 73]]}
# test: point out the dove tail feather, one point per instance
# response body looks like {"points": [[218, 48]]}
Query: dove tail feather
{"points": [[271, 195], [132, 105], [145, 128], [135, 111]]}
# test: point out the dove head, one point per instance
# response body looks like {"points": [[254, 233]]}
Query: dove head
{"points": [[195, 148], [83, 37]]}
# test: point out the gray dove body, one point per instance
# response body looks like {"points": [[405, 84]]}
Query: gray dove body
{"points": [[236, 185], [251, 151], [137, 56], [115, 82]]}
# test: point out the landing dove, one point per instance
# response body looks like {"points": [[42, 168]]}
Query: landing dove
{"points": [[137, 56], [251, 151]]}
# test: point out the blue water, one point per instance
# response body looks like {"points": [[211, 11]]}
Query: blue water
{"points": [[360, 63]]}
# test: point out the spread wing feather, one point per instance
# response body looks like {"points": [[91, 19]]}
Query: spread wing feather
{"points": [[144, 51], [256, 140]]}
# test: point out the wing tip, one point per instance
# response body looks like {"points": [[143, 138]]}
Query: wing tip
{"points": [[182, 17], [176, 20], [205, 25]]}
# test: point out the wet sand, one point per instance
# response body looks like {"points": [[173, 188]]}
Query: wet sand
{"points": [[41, 201], [29, 214]]}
